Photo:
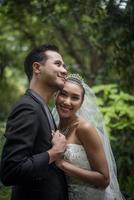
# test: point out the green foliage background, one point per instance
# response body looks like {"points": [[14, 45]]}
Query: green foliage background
{"points": [[96, 39], [118, 111]]}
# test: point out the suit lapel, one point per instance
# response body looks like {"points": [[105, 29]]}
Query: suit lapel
{"points": [[45, 108]]}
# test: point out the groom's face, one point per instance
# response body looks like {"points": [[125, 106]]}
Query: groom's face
{"points": [[53, 71]]}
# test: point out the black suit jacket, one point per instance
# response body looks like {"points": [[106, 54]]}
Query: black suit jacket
{"points": [[25, 161]]}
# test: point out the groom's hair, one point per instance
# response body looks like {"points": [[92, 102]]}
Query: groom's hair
{"points": [[37, 55]]}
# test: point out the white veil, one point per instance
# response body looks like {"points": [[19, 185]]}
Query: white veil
{"points": [[90, 112]]}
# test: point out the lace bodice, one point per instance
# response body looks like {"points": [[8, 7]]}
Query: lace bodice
{"points": [[75, 153], [79, 190]]}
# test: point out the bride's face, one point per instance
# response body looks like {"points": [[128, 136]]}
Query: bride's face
{"points": [[69, 99]]}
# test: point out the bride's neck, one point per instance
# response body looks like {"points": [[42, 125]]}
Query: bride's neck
{"points": [[66, 122]]}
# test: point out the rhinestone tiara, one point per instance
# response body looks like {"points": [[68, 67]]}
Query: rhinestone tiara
{"points": [[76, 76]]}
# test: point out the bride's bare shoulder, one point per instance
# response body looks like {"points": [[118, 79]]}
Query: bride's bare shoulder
{"points": [[84, 125], [86, 131]]}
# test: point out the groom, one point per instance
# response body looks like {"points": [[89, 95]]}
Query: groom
{"points": [[28, 156]]}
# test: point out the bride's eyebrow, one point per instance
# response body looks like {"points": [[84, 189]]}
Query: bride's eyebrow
{"points": [[72, 93], [68, 92], [63, 91], [76, 95]]}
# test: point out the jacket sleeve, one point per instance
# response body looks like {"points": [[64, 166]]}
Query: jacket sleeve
{"points": [[18, 165]]}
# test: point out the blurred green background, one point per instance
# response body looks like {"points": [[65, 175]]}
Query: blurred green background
{"points": [[96, 39]]}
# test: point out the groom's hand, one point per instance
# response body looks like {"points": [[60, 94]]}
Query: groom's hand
{"points": [[58, 146]]}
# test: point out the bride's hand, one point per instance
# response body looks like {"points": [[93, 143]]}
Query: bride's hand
{"points": [[59, 163]]}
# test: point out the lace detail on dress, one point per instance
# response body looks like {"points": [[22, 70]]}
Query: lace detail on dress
{"points": [[79, 190], [75, 154]]}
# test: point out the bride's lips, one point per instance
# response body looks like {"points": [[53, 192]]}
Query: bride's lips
{"points": [[65, 109]]}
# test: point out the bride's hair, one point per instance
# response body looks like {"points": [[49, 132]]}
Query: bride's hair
{"points": [[77, 79]]}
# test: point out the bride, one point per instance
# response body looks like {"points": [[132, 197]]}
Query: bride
{"points": [[88, 160]]}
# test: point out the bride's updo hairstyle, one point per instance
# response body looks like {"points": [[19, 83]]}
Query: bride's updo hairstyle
{"points": [[76, 79]]}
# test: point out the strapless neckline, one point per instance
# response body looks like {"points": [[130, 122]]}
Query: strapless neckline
{"points": [[74, 144], [79, 190]]}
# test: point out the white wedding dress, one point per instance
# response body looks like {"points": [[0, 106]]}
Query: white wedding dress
{"points": [[79, 190]]}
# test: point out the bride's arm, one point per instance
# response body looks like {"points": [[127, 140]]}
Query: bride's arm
{"points": [[99, 175]]}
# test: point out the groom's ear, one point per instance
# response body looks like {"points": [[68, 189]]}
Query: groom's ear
{"points": [[36, 68]]}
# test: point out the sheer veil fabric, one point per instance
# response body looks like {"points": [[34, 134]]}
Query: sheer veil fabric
{"points": [[91, 113]]}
